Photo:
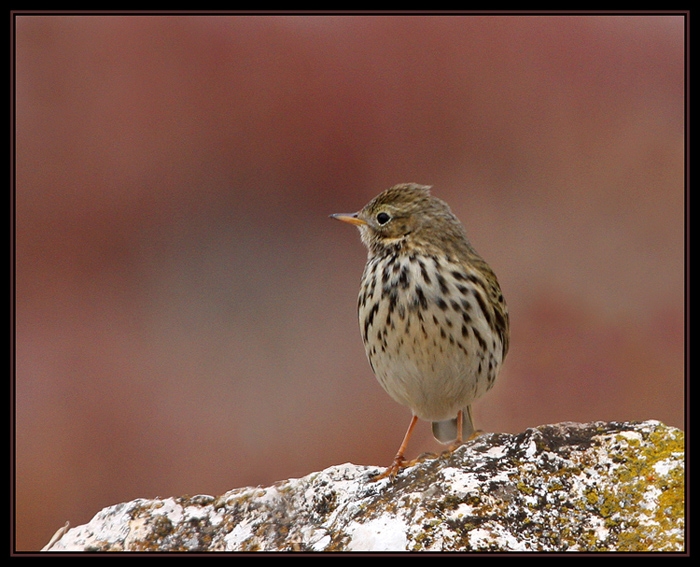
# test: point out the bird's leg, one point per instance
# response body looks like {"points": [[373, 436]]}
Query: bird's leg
{"points": [[459, 440], [460, 423], [399, 460]]}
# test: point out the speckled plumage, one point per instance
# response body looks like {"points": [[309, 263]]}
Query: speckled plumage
{"points": [[432, 316]]}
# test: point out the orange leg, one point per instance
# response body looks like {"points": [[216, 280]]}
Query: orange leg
{"points": [[399, 461], [460, 422], [460, 439]]}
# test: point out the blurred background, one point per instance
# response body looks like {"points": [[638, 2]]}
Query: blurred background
{"points": [[186, 310]]}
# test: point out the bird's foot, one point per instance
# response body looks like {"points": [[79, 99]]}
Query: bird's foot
{"points": [[422, 458], [458, 443], [393, 469], [475, 434]]}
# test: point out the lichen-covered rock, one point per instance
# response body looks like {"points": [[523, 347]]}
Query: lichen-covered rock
{"points": [[565, 487]]}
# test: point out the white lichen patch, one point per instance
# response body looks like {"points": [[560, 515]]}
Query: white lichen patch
{"points": [[380, 534]]}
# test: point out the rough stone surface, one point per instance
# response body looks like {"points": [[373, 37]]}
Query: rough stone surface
{"points": [[565, 487]]}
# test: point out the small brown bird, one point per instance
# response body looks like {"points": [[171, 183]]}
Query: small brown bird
{"points": [[432, 316]]}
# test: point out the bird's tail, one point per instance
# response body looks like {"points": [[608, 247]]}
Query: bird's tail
{"points": [[446, 431]]}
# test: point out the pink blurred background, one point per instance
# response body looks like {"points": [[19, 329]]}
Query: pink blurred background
{"points": [[185, 309]]}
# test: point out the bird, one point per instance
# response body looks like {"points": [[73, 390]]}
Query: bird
{"points": [[432, 316]]}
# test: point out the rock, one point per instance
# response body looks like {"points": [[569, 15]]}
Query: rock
{"points": [[565, 487]]}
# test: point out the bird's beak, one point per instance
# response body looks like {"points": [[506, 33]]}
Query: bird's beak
{"points": [[351, 218]]}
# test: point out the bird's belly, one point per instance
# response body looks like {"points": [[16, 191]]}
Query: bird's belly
{"points": [[429, 361]]}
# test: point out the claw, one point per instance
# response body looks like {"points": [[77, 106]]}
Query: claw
{"points": [[392, 470]]}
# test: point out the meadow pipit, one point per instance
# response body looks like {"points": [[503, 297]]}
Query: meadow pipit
{"points": [[432, 315]]}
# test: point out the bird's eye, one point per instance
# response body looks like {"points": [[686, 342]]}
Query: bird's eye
{"points": [[383, 218]]}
